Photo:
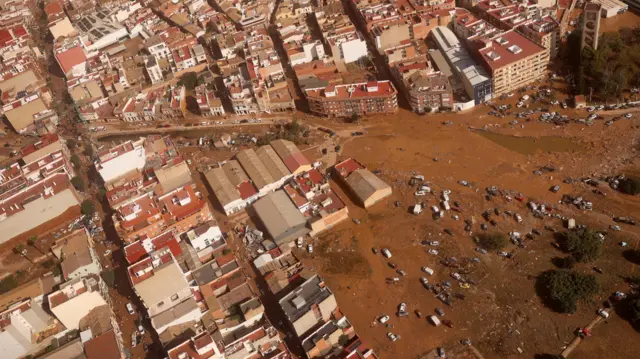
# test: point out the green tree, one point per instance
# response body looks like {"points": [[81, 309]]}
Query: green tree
{"points": [[492, 241], [584, 244], [87, 207], [88, 151], [189, 80], [564, 288], [78, 183], [630, 185], [8, 283], [75, 161]]}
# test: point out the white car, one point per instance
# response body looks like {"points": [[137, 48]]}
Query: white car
{"points": [[310, 248], [130, 309], [386, 252], [456, 276], [628, 115], [433, 251], [392, 336], [424, 281], [592, 117], [591, 109], [520, 104], [434, 243], [141, 329], [383, 319], [299, 242]]}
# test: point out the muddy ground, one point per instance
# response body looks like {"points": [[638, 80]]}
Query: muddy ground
{"points": [[502, 313]]}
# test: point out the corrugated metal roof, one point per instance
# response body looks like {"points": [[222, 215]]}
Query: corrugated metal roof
{"points": [[272, 161], [222, 187], [278, 213], [256, 170], [364, 183]]}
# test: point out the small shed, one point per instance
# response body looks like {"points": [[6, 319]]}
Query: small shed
{"points": [[579, 101]]}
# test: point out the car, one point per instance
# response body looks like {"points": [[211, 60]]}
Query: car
{"points": [[427, 270], [615, 228], [402, 310], [481, 250], [134, 339], [440, 312], [504, 254], [401, 272], [433, 251], [356, 221], [392, 336], [383, 319], [130, 309], [591, 109], [310, 248], [299, 242], [555, 189], [375, 250], [442, 353], [464, 285], [141, 329], [392, 265], [603, 313], [456, 276], [592, 117], [386, 252], [628, 115], [424, 281], [434, 243], [357, 133], [518, 218]]}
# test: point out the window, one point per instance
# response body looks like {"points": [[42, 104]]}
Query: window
{"points": [[160, 304], [174, 297]]}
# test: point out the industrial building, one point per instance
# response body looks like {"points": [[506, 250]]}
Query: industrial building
{"points": [[366, 187], [282, 220], [475, 79]]}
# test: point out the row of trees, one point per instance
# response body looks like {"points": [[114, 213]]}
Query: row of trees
{"points": [[609, 70]]}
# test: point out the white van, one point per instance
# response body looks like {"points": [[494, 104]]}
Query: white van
{"points": [[427, 270], [386, 252], [434, 320]]}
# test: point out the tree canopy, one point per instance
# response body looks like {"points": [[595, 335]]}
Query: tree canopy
{"points": [[584, 244], [189, 80], [87, 207], [564, 288], [492, 241]]}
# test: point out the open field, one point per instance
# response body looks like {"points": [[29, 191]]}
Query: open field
{"points": [[503, 312]]}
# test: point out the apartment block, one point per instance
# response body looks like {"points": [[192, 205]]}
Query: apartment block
{"points": [[544, 32], [371, 97], [513, 61], [309, 306]]}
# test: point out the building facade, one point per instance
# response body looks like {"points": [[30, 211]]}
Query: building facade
{"points": [[353, 99]]}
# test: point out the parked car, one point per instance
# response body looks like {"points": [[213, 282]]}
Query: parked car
{"points": [[130, 309], [427, 270], [386, 252], [392, 337], [310, 248], [442, 353], [375, 250], [141, 329], [383, 319], [402, 310], [440, 312]]}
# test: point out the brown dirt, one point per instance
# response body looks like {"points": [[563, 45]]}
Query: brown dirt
{"points": [[503, 312], [629, 19]]}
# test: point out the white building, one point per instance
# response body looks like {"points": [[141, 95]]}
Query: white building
{"points": [[121, 160], [153, 69], [76, 299], [24, 325], [77, 254]]}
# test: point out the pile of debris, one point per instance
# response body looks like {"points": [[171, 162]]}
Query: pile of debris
{"points": [[579, 202]]}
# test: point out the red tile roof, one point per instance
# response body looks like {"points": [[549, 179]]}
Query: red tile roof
{"points": [[70, 58], [505, 56], [103, 346], [346, 167]]}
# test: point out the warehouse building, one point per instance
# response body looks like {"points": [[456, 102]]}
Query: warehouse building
{"points": [[282, 220], [295, 161], [366, 187]]}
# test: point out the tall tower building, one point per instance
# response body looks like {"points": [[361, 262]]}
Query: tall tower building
{"points": [[591, 25]]}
